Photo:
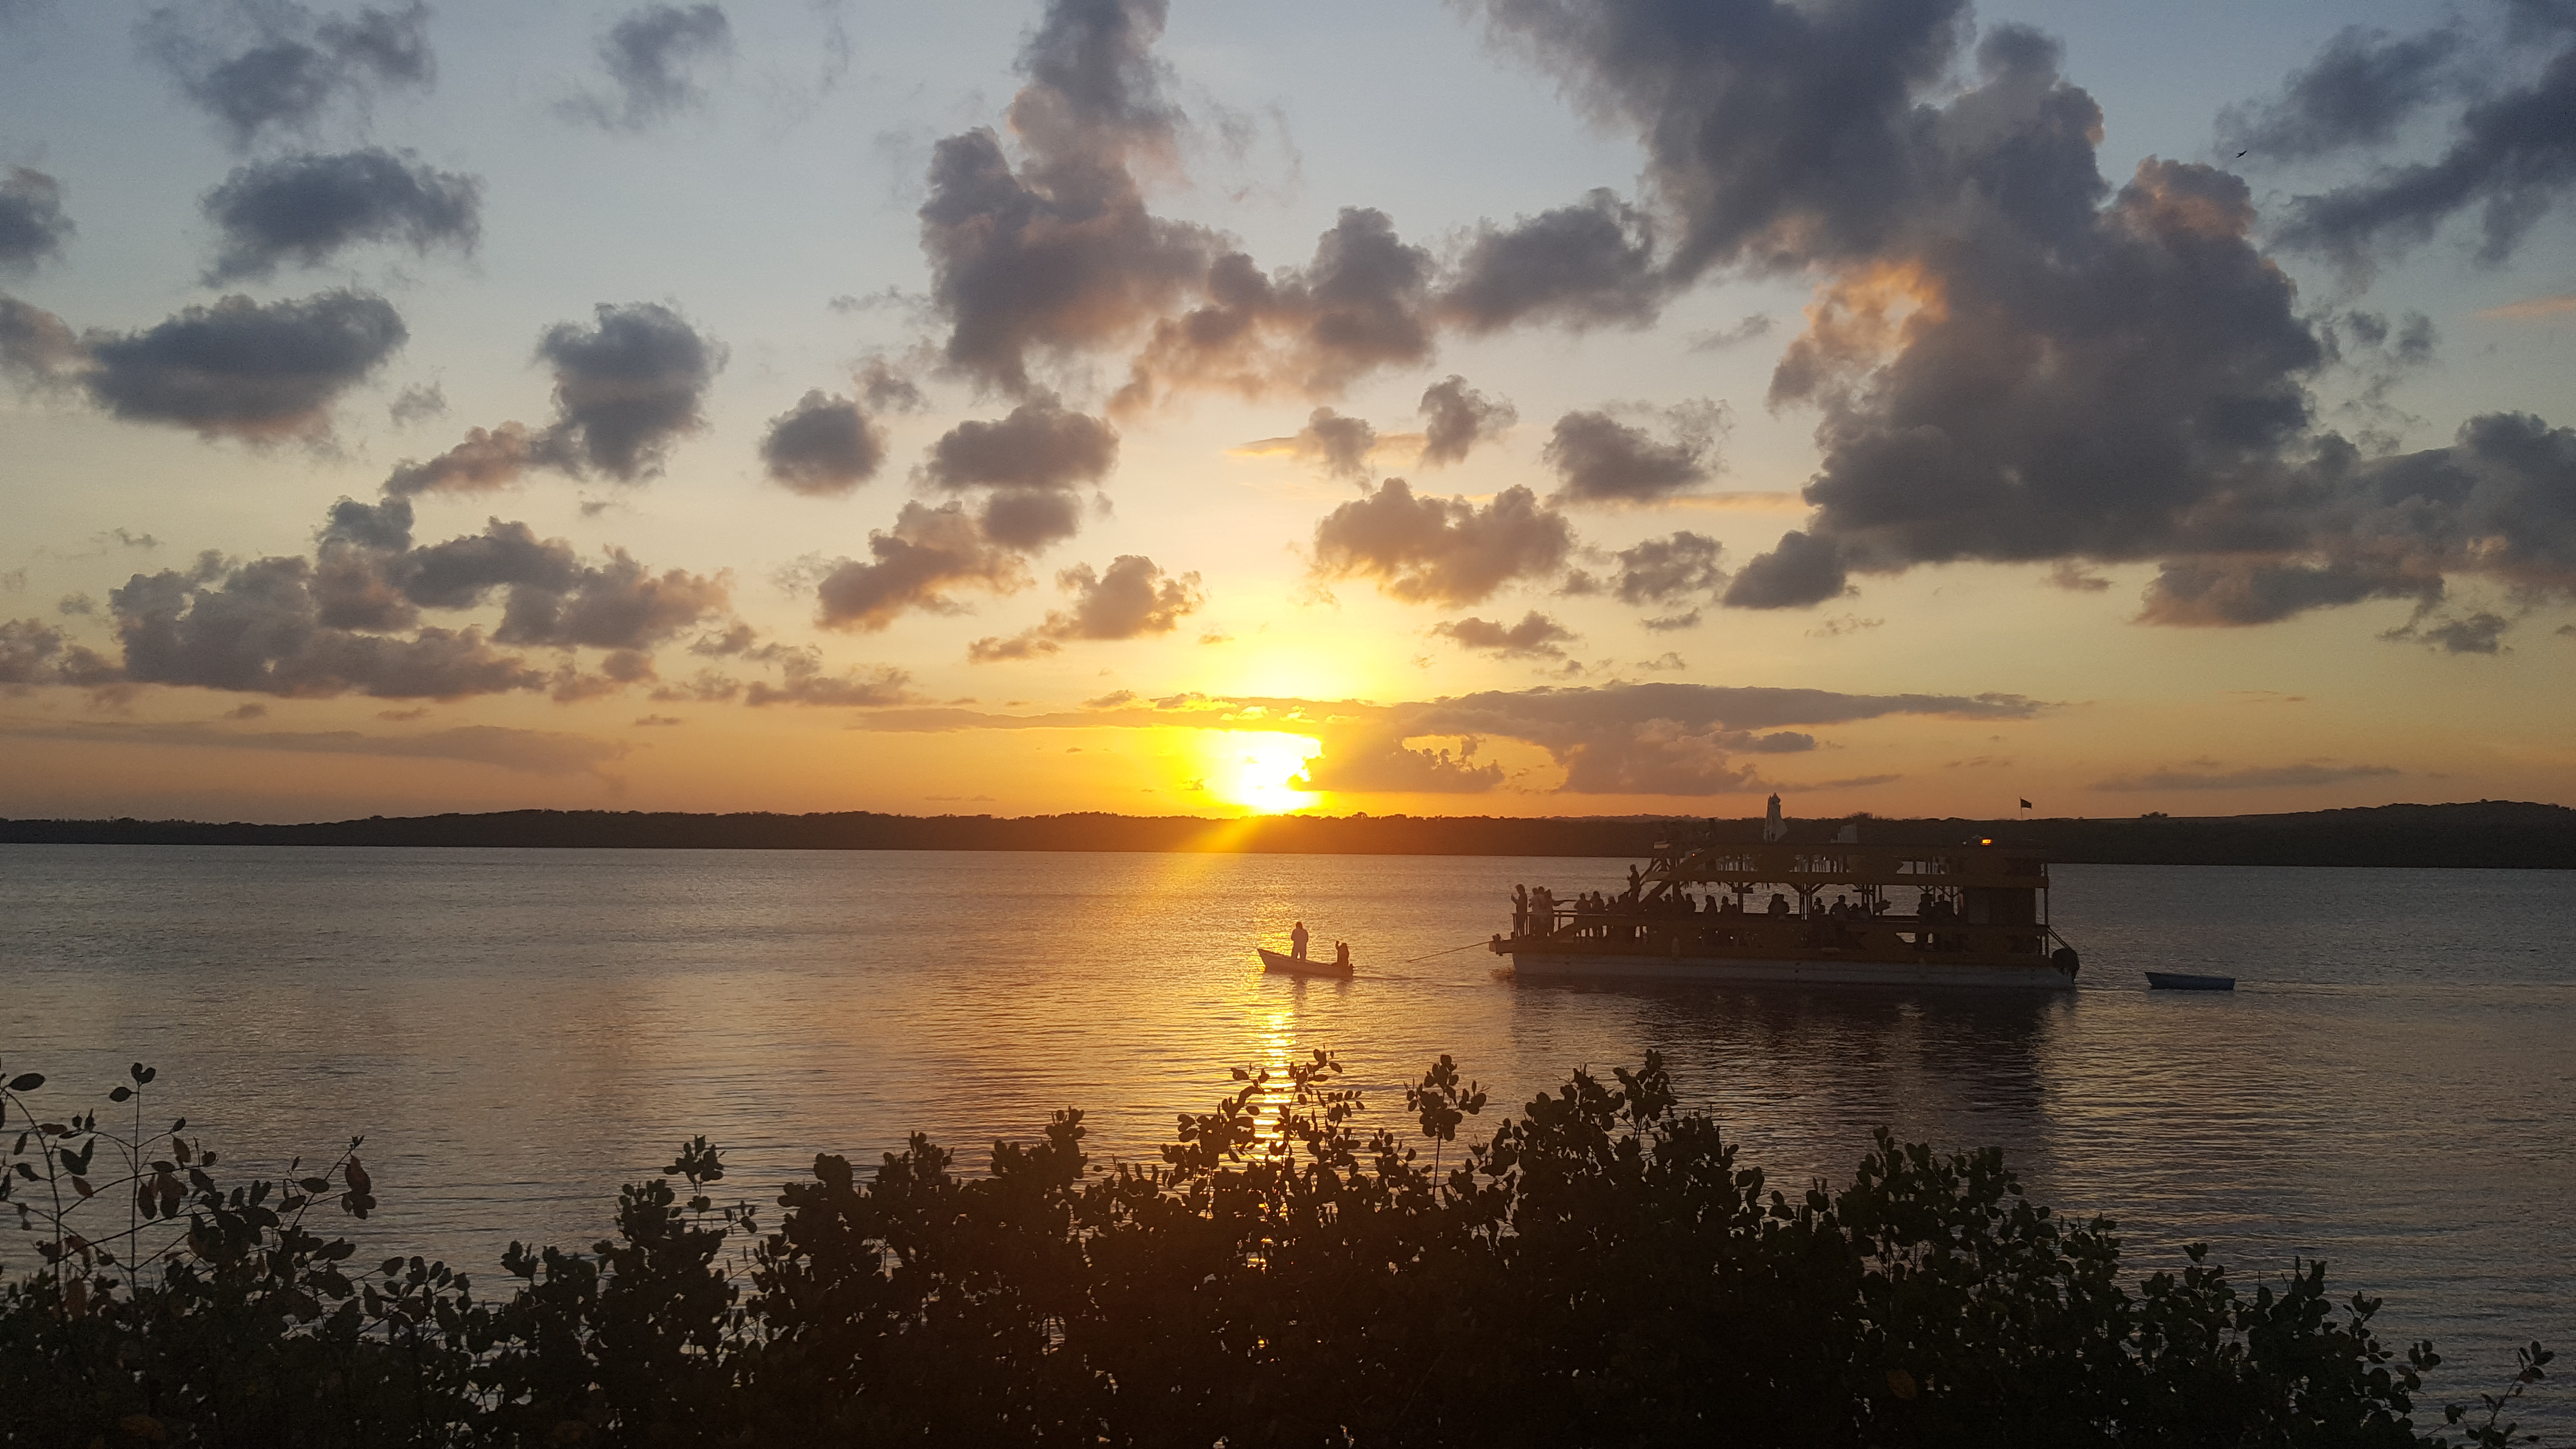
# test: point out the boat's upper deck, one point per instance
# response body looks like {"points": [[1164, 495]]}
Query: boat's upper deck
{"points": [[1982, 865]]}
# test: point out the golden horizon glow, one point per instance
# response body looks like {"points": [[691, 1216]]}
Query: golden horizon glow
{"points": [[1251, 769]]}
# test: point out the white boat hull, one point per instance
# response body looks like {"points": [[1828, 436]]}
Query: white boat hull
{"points": [[1589, 966]]}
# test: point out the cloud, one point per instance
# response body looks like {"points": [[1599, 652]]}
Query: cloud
{"points": [[1361, 304], [2358, 90], [2205, 775], [1602, 460], [2513, 160], [417, 403], [1586, 265], [244, 369], [2010, 359], [1133, 599], [652, 57], [32, 224], [273, 65], [822, 446], [536, 752], [486, 460], [629, 386], [1340, 444], [1040, 445], [2532, 309], [2479, 633], [1536, 636], [37, 351], [1667, 570], [1060, 255], [1458, 418], [347, 619], [1441, 550], [915, 566], [34, 653], [305, 208], [1717, 339], [802, 681]]}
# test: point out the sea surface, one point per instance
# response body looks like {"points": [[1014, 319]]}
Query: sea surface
{"points": [[2392, 1087]]}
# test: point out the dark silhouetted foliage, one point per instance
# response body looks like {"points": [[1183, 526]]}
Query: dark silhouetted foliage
{"points": [[1602, 1270]]}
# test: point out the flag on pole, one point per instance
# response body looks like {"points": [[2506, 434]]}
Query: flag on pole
{"points": [[2025, 804]]}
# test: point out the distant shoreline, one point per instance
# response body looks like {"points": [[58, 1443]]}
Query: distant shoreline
{"points": [[2481, 835]]}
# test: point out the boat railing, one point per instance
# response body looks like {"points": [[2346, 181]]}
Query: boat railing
{"points": [[1660, 930]]}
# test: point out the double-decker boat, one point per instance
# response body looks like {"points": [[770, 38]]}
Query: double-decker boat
{"points": [[1974, 914]]}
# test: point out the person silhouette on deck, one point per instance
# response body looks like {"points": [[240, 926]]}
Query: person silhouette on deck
{"points": [[1297, 940], [1342, 954]]}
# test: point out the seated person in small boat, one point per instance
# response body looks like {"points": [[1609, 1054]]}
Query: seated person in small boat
{"points": [[1342, 953], [1297, 940]]}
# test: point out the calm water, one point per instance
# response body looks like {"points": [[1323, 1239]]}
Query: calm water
{"points": [[2392, 1088]]}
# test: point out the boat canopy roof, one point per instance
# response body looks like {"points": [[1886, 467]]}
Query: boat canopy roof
{"points": [[1976, 866]]}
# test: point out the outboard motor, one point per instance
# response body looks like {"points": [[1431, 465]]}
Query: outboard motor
{"points": [[2065, 959]]}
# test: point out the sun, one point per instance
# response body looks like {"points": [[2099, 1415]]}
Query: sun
{"points": [[1252, 770]]}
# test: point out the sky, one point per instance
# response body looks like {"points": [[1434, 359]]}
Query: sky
{"points": [[1528, 407]]}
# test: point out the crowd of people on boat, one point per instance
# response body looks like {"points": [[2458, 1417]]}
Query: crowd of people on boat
{"points": [[1539, 911]]}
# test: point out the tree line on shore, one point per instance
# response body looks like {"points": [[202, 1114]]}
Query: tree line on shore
{"points": [[2492, 835], [1601, 1269]]}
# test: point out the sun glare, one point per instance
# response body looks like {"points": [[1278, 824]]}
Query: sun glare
{"points": [[1252, 770]]}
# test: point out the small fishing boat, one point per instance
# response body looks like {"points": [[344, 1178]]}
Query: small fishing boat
{"points": [[1300, 966], [2185, 981]]}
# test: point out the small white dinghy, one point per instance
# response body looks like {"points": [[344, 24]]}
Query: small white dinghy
{"points": [[1300, 966]]}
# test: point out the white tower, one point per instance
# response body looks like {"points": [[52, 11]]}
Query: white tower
{"points": [[1773, 827]]}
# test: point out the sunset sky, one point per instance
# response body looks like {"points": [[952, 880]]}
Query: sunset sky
{"points": [[1495, 407]]}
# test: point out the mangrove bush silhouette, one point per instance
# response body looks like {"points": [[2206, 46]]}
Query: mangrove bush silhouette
{"points": [[1600, 1270]]}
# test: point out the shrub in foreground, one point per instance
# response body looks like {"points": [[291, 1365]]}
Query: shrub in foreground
{"points": [[1601, 1270]]}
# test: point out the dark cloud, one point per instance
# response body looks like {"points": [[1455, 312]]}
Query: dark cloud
{"points": [[2479, 633], [2514, 159], [1457, 418], [916, 565], [243, 369], [1040, 445], [1382, 764], [1587, 265], [1669, 570], [2264, 590], [1027, 520], [1338, 444], [1361, 304], [1441, 550], [30, 653], [885, 390], [347, 620], [1602, 460], [2010, 360], [652, 57], [305, 208], [630, 386], [2358, 90], [1133, 599], [1775, 133], [486, 460], [32, 224], [37, 350], [626, 390], [2206, 775], [822, 446], [1061, 254], [802, 681], [261, 65], [1536, 636], [1801, 569]]}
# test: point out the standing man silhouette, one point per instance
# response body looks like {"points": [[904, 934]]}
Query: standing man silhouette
{"points": [[1297, 940]]}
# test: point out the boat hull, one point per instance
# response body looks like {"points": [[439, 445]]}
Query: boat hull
{"points": [[1595, 966], [1272, 961], [2185, 981]]}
